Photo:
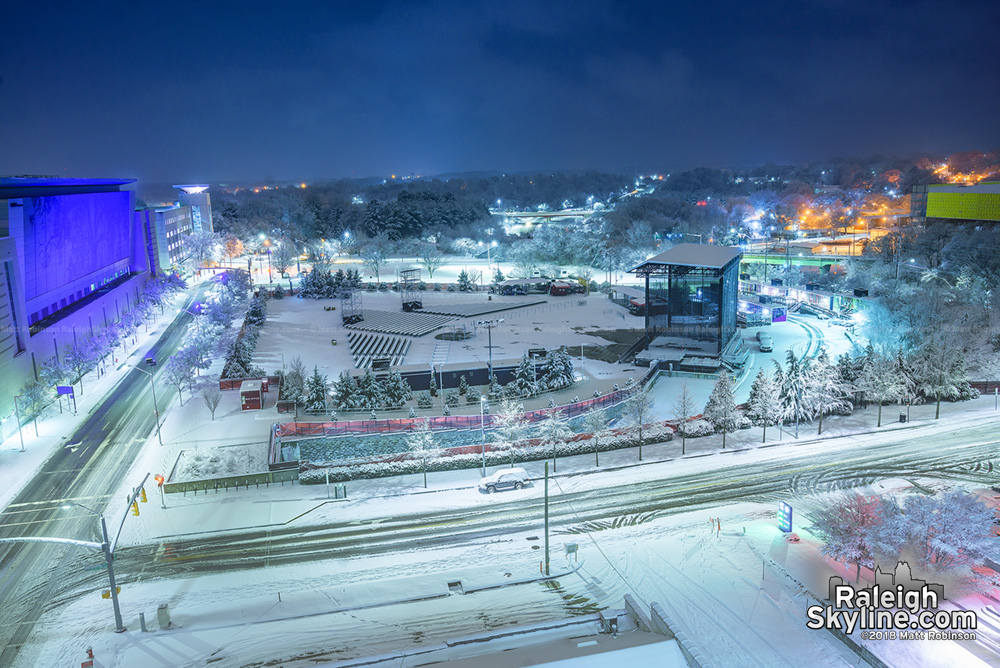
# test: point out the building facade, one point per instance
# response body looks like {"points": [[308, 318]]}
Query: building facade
{"points": [[72, 261], [949, 202], [691, 294]]}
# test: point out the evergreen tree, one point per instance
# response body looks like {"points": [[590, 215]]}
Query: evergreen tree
{"points": [[720, 411], [464, 282], [523, 384], [293, 383], [557, 372], [369, 392], [433, 390], [498, 276], [463, 386], [316, 392], [396, 391], [795, 399]]}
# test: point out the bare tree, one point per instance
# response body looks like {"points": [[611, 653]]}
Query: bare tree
{"points": [[510, 427], [420, 442], [376, 252], [683, 410], [552, 432], [596, 422], [212, 396], [431, 258], [637, 411]]}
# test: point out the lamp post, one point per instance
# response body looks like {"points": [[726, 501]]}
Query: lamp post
{"points": [[109, 558], [17, 416], [156, 409], [482, 428]]}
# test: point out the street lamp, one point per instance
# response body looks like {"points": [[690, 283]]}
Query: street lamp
{"points": [[482, 427], [156, 410], [109, 558]]}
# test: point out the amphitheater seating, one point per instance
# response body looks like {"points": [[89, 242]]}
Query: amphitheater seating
{"points": [[406, 324], [481, 308], [365, 346]]}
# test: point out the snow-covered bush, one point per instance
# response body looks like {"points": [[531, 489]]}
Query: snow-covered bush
{"points": [[696, 428]]}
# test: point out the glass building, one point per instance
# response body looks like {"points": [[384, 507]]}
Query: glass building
{"points": [[691, 295]]}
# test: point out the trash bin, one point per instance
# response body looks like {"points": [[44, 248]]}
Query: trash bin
{"points": [[902, 417]]}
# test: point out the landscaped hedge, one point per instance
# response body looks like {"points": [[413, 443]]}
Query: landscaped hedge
{"points": [[405, 464]]}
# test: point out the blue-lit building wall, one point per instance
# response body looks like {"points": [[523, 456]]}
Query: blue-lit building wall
{"points": [[71, 262], [69, 246]]}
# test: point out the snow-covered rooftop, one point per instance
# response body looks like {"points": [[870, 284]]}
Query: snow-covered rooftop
{"points": [[694, 255]]}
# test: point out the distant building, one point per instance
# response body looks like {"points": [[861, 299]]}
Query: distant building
{"points": [[949, 202], [71, 260], [166, 227]]}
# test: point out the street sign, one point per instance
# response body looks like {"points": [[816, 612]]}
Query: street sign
{"points": [[784, 517], [107, 592], [64, 389]]}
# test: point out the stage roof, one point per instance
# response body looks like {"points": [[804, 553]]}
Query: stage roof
{"points": [[693, 255]]}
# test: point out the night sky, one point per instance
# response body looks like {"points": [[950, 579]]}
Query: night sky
{"points": [[219, 92]]}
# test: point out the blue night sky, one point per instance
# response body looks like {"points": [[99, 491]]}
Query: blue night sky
{"points": [[303, 90]]}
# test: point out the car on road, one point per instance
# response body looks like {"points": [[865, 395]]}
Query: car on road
{"points": [[514, 478], [765, 342]]}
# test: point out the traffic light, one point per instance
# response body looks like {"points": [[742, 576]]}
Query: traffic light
{"points": [[135, 508], [142, 494], [159, 480]]}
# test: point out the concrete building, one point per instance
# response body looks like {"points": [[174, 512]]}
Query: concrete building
{"points": [[957, 203], [72, 261], [166, 227]]}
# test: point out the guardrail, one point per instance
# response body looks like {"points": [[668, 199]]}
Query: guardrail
{"points": [[232, 482]]}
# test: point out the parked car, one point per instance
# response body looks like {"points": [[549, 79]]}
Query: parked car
{"points": [[765, 342], [514, 478]]}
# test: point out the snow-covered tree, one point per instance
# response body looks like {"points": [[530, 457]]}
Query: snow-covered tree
{"points": [[942, 532], [178, 371], [683, 410], [553, 431], [36, 396], [596, 422], [721, 411], [370, 394], [845, 525], [557, 371], [523, 384], [463, 386], [764, 402], [795, 398], [420, 442], [431, 259], [940, 372], [316, 392], [212, 395], [396, 391], [345, 391], [509, 427], [293, 384], [80, 357], [827, 390], [637, 411], [498, 276], [465, 283], [879, 381]]}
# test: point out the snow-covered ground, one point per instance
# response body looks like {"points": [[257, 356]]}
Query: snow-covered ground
{"points": [[736, 607]]}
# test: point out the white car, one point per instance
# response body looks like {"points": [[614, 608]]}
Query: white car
{"points": [[514, 478]]}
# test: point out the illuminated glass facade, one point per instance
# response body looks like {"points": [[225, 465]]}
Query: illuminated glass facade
{"points": [[691, 293]]}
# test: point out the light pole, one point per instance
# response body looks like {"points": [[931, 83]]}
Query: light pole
{"points": [[156, 410], [109, 558], [482, 428], [17, 416]]}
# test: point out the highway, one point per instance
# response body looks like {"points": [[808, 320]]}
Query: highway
{"points": [[87, 471]]}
